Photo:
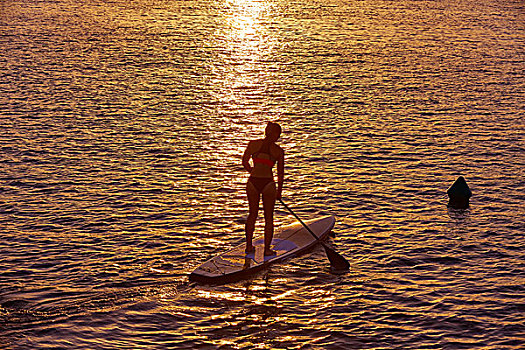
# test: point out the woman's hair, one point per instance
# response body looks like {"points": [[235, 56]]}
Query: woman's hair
{"points": [[272, 129]]}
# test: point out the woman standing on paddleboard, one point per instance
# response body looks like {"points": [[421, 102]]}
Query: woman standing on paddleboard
{"points": [[264, 153]]}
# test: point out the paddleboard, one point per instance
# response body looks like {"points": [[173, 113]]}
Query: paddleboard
{"points": [[288, 241]]}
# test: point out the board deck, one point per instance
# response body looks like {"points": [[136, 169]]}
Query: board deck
{"points": [[288, 241]]}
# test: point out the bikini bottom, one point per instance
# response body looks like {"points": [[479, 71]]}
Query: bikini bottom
{"points": [[260, 182]]}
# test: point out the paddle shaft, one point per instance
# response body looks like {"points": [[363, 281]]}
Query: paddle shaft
{"points": [[298, 218], [337, 261]]}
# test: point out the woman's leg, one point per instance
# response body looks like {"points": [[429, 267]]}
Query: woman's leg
{"points": [[269, 195], [253, 202]]}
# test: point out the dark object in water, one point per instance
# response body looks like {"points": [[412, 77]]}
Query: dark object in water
{"points": [[459, 194]]}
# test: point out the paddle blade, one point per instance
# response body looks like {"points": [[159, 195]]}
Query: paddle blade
{"points": [[337, 261]]}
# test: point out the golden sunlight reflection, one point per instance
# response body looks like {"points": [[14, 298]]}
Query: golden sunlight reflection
{"points": [[245, 44], [261, 295], [241, 79], [218, 295], [244, 20]]}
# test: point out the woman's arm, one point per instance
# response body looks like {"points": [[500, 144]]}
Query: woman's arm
{"points": [[246, 158], [280, 175]]}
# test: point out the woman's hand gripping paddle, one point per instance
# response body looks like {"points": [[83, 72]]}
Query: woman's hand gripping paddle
{"points": [[337, 261]]}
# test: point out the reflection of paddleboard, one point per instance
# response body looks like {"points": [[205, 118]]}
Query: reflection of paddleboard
{"points": [[288, 242]]}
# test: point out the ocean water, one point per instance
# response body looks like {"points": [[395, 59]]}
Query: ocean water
{"points": [[122, 128]]}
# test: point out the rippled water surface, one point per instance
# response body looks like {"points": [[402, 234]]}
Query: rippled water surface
{"points": [[122, 126]]}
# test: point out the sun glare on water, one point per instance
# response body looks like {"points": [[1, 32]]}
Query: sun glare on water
{"points": [[244, 18], [245, 45], [243, 76]]}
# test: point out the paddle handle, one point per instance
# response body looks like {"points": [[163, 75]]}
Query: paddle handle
{"points": [[298, 218]]}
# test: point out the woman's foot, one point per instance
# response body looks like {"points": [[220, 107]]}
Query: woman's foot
{"points": [[268, 252], [249, 250]]}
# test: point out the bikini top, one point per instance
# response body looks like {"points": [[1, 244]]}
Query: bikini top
{"points": [[265, 149]]}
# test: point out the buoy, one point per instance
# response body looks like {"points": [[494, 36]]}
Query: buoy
{"points": [[459, 194]]}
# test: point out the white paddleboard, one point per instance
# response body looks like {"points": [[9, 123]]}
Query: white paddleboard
{"points": [[288, 241]]}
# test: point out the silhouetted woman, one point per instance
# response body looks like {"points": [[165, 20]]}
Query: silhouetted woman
{"points": [[265, 153]]}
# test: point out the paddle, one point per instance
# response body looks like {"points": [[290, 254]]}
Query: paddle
{"points": [[337, 261]]}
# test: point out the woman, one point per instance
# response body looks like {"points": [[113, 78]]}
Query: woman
{"points": [[265, 153]]}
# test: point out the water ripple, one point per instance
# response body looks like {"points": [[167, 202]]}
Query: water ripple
{"points": [[123, 124]]}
